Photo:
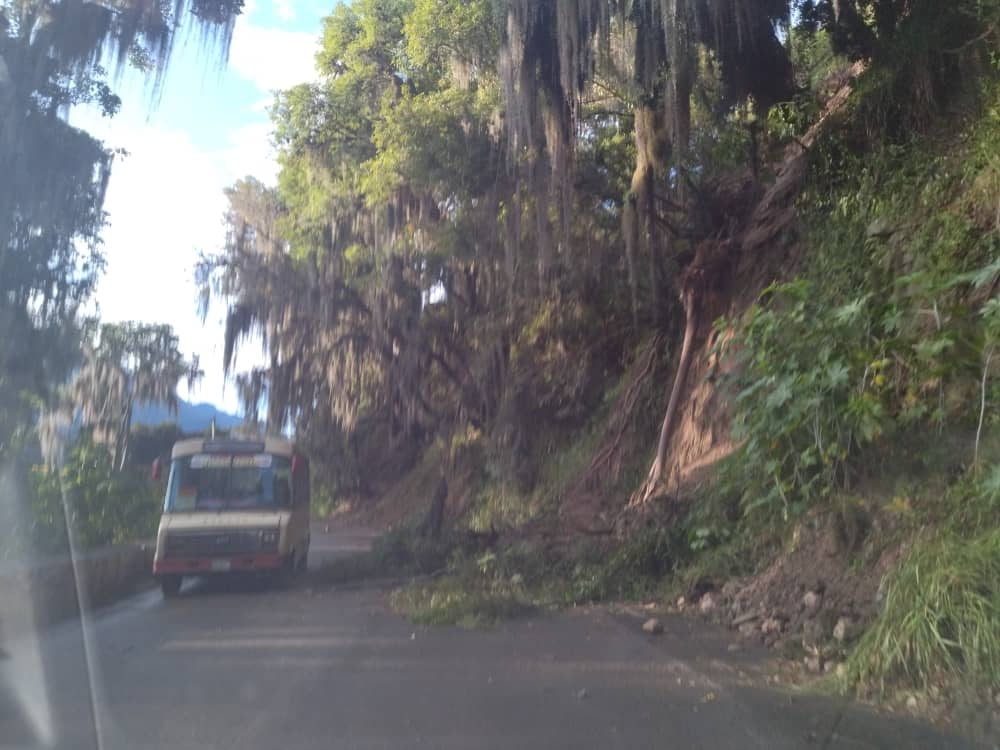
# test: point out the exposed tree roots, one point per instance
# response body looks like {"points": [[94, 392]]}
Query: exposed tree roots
{"points": [[650, 488], [605, 464]]}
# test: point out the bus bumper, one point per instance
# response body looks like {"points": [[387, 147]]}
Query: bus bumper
{"points": [[207, 565]]}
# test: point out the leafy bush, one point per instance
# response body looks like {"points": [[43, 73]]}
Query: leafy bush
{"points": [[486, 586], [808, 394], [479, 589], [632, 569], [891, 326], [103, 506]]}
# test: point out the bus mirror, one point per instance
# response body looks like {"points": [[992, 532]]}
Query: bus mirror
{"points": [[156, 470]]}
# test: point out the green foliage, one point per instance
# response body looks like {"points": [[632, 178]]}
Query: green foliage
{"points": [[103, 506], [485, 586], [498, 505], [939, 621], [451, 37], [808, 395], [813, 57], [434, 142], [453, 601], [630, 570], [887, 328], [792, 119], [930, 59], [480, 588]]}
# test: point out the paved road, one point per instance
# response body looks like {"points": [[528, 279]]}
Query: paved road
{"points": [[314, 667]]}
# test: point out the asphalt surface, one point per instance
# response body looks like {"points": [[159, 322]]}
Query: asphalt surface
{"points": [[310, 666]]}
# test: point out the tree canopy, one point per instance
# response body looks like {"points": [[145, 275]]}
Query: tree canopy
{"points": [[472, 185]]}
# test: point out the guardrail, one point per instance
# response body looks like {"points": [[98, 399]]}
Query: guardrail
{"points": [[38, 593]]}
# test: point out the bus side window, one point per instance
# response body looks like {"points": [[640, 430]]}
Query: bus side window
{"points": [[300, 485]]}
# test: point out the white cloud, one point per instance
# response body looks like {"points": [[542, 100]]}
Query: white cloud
{"points": [[166, 205], [262, 104], [286, 9], [251, 153], [272, 58]]}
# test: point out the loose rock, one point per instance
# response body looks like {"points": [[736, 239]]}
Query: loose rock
{"points": [[811, 602], [707, 603], [652, 626], [880, 593], [912, 704], [749, 629], [771, 625], [812, 631], [880, 229], [745, 617], [814, 664], [681, 602], [843, 630]]}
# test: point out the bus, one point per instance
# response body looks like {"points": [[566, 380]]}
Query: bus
{"points": [[232, 505]]}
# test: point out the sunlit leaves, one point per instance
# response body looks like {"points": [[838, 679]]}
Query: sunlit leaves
{"points": [[446, 38], [434, 142]]}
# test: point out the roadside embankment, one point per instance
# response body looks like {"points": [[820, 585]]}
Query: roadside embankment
{"points": [[41, 592]]}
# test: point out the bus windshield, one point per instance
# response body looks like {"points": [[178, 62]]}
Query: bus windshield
{"points": [[214, 482]]}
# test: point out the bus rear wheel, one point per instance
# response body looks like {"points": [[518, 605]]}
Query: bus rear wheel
{"points": [[170, 586]]}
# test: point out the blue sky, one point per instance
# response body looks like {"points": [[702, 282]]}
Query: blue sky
{"points": [[208, 129]]}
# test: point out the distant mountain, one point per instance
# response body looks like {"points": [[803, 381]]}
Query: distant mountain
{"points": [[191, 418]]}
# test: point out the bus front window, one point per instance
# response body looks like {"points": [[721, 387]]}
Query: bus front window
{"points": [[207, 482]]}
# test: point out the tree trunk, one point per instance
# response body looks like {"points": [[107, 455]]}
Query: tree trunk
{"points": [[656, 470], [122, 439], [652, 242], [631, 230]]}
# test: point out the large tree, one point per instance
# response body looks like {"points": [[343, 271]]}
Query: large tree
{"points": [[469, 185], [336, 267]]}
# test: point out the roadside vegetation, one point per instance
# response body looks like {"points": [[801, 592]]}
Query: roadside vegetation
{"points": [[85, 475]]}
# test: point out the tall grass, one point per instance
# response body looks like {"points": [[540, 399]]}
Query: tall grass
{"points": [[941, 620]]}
